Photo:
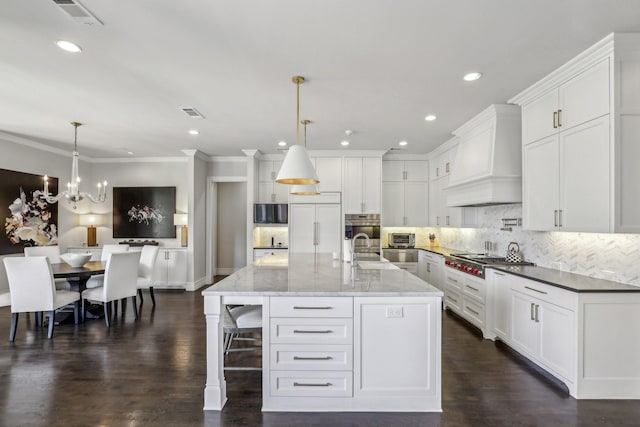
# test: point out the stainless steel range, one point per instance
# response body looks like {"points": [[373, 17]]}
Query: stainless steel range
{"points": [[475, 264]]}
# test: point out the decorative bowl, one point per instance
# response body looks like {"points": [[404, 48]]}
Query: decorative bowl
{"points": [[75, 260]]}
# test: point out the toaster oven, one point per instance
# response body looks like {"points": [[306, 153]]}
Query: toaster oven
{"points": [[402, 240]]}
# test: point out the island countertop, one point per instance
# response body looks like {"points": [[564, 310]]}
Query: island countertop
{"points": [[318, 275]]}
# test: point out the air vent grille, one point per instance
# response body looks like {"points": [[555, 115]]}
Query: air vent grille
{"points": [[192, 112], [77, 12]]}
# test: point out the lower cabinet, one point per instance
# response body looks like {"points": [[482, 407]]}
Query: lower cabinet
{"points": [[355, 353], [430, 268], [171, 269], [259, 253], [465, 295]]}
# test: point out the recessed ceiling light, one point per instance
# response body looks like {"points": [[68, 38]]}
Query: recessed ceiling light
{"points": [[68, 46], [282, 143], [472, 76], [194, 132], [430, 118], [130, 153], [344, 143], [402, 143]]}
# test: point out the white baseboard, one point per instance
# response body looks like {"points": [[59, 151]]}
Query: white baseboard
{"points": [[194, 286], [226, 271]]}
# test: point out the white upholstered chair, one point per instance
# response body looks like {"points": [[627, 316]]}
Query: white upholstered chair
{"points": [[238, 321], [120, 281], [53, 253], [148, 257], [32, 289], [107, 250]]}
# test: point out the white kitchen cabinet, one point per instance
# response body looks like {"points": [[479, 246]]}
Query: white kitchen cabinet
{"points": [[567, 180], [440, 214], [582, 98], [170, 269], [442, 164], [405, 193], [591, 106], [362, 184], [270, 191], [466, 295], [329, 170], [499, 315], [431, 268], [259, 253], [315, 228]]}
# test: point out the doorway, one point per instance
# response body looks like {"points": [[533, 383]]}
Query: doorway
{"points": [[231, 227]]}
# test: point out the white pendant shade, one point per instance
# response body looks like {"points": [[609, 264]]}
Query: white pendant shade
{"points": [[305, 190], [297, 168]]}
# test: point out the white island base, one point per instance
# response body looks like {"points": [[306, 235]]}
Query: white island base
{"points": [[371, 343]]}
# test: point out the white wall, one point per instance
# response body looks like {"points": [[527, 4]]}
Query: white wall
{"points": [[231, 227]]}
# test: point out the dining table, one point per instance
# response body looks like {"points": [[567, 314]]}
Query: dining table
{"points": [[78, 277]]}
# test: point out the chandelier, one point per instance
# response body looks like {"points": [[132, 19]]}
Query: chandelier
{"points": [[308, 189], [72, 193]]}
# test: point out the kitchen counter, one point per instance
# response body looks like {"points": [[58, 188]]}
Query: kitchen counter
{"points": [[329, 332], [270, 247], [565, 280]]}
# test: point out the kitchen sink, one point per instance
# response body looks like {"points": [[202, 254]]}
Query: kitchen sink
{"points": [[376, 265]]}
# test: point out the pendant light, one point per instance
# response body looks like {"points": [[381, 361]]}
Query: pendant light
{"points": [[309, 189], [73, 193], [297, 168]]}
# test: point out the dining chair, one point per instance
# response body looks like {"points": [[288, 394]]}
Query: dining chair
{"points": [[120, 282], [32, 288], [53, 253], [98, 280], [237, 321], [148, 257]]}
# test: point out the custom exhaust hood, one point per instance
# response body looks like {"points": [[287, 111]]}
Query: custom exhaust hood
{"points": [[487, 169]]}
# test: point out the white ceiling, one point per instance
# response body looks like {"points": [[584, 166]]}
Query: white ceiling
{"points": [[374, 66]]}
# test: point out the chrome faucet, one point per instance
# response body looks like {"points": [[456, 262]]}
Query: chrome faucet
{"points": [[353, 246]]}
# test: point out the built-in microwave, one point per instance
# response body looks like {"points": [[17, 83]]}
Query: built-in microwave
{"points": [[270, 213]]}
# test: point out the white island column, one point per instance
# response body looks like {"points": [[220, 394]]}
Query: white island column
{"points": [[215, 391]]}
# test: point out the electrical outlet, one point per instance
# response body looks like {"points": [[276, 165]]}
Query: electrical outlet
{"points": [[394, 312]]}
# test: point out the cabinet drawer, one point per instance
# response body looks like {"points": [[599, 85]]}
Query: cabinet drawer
{"points": [[311, 307], [452, 298], [544, 292], [474, 312], [453, 280], [296, 357], [311, 384], [311, 331], [474, 289]]}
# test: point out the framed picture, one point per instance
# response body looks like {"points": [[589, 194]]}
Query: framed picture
{"points": [[28, 219], [144, 212]]}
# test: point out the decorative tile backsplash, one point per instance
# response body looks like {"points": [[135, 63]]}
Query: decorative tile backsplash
{"points": [[606, 256]]}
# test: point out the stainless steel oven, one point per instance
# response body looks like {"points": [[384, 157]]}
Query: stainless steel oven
{"points": [[368, 224]]}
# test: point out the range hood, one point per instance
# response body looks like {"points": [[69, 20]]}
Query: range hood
{"points": [[487, 169]]}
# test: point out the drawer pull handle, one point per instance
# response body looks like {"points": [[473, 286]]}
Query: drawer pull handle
{"points": [[473, 311], [312, 358], [475, 289], [535, 290], [295, 384], [452, 299], [298, 331], [297, 307], [453, 280], [498, 274]]}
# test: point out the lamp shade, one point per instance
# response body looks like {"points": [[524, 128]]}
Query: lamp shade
{"points": [[180, 219], [90, 219], [305, 190], [297, 168]]}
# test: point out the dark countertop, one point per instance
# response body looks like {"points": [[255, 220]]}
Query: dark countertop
{"points": [[565, 280], [438, 250], [270, 247]]}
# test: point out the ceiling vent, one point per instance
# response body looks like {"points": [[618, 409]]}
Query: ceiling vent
{"points": [[192, 112], [78, 12]]}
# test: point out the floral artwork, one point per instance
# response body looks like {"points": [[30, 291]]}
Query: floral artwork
{"points": [[28, 219], [144, 212]]}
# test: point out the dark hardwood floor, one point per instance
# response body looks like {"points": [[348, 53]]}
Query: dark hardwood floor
{"points": [[152, 372]]}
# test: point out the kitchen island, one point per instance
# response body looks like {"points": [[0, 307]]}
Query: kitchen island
{"points": [[335, 337]]}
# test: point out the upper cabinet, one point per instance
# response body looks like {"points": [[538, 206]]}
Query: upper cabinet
{"points": [[362, 182], [578, 100], [329, 170], [405, 191], [580, 128], [441, 164], [270, 191]]}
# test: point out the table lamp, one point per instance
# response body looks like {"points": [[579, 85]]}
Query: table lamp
{"points": [[182, 220], [91, 221]]}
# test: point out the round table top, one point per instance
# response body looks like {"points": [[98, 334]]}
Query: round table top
{"points": [[91, 268]]}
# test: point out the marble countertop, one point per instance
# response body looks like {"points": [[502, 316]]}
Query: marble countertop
{"points": [[318, 275], [270, 247], [565, 280]]}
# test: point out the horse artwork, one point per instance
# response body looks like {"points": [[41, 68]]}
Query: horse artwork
{"points": [[144, 212]]}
